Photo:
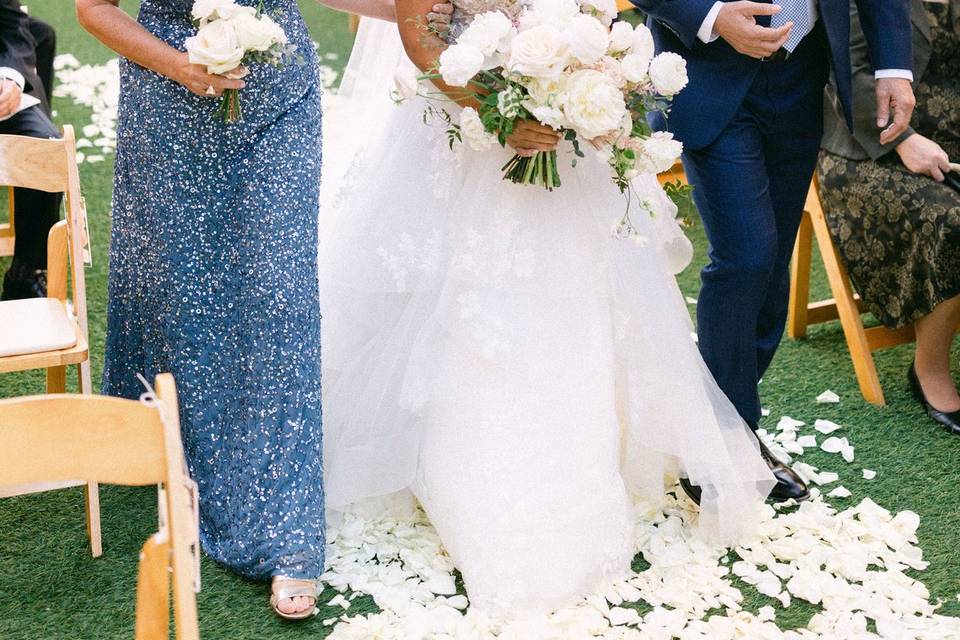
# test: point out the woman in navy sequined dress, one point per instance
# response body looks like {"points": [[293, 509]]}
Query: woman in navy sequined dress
{"points": [[213, 277]]}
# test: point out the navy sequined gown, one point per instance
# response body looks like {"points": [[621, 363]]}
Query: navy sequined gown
{"points": [[213, 277]]}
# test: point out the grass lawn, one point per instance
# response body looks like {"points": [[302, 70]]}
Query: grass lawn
{"points": [[51, 588]]}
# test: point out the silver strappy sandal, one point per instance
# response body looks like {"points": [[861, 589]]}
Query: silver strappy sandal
{"points": [[289, 588]]}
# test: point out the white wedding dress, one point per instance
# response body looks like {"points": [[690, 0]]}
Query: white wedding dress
{"points": [[492, 349]]}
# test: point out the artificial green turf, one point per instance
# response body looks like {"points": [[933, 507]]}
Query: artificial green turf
{"points": [[51, 588]]}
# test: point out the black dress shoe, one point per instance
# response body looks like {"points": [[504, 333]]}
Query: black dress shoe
{"points": [[949, 421], [790, 486], [22, 282]]}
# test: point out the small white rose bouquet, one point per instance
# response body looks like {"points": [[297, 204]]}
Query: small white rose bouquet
{"points": [[567, 65], [229, 36]]}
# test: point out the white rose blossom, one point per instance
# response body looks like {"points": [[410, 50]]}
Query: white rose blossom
{"points": [[634, 67], [662, 150], [539, 52], [207, 9], [593, 106], [257, 34], [668, 72], [555, 13], [587, 39], [459, 63], [621, 37], [605, 10], [489, 32], [642, 44], [216, 47], [473, 132]]}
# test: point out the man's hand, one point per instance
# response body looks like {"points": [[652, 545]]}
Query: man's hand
{"points": [[736, 23], [10, 94], [894, 94], [924, 156], [439, 18]]}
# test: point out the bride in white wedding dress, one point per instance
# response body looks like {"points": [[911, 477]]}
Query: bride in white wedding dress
{"points": [[492, 350]]}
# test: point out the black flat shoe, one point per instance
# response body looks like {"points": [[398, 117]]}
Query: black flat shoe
{"points": [[790, 486], [22, 282], [949, 421]]}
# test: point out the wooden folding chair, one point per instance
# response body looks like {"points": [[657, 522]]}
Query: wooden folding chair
{"points": [[44, 334], [845, 304], [56, 438], [8, 229]]}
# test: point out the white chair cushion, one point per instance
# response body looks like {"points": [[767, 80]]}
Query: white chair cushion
{"points": [[34, 326]]}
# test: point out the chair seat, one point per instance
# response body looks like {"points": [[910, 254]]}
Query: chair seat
{"points": [[36, 325]]}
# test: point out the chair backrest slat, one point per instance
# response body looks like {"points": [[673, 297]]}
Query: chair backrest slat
{"points": [[67, 437], [33, 163]]}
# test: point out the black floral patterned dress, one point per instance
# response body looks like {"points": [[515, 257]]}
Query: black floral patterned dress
{"points": [[899, 233]]}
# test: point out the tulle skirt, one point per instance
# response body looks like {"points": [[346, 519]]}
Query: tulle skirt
{"points": [[494, 349]]}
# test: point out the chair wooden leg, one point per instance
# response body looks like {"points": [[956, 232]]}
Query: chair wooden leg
{"points": [[849, 313], [800, 280], [92, 498], [57, 380]]}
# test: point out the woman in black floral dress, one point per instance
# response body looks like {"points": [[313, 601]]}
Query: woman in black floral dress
{"points": [[894, 218]]}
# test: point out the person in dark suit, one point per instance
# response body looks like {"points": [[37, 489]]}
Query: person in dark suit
{"points": [[751, 120], [894, 209], [27, 48]]}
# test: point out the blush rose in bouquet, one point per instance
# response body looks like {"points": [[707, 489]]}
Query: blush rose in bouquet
{"points": [[230, 36]]}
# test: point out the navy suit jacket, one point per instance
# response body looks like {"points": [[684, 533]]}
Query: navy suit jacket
{"points": [[720, 76], [18, 49]]}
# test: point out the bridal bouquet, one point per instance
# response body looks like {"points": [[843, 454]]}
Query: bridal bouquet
{"points": [[561, 63], [230, 36]]}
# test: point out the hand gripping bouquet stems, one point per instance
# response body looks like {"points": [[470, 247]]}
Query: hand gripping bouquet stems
{"points": [[567, 65], [230, 36]]}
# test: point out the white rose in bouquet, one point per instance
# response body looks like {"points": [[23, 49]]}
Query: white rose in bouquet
{"points": [[642, 44], [634, 67], [204, 10], [587, 39], [539, 52], [611, 66], [545, 90], [489, 32], [473, 132], [603, 10], [216, 47], [257, 34], [621, 37], [661, 151], [668, 72], [459, 63], [546, 114], [594, 106], [555, 13], [232, 10]]}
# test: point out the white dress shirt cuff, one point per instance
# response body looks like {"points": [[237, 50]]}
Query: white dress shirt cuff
{"points": [[904, 74], [706, 34], [9, 73]]}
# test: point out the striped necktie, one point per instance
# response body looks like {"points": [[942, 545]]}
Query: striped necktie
{"points": [[803, 16]]}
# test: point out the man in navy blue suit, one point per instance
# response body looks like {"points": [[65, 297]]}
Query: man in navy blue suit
{"points": [[751, 121]]}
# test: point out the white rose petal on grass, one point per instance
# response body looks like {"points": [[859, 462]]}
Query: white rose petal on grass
{"points": [[807, 442], [826, 427], [587, 39], [540, 52], [621, 37], [869, 474], [459, 64], [668, 73], [828, 397], [765, 413], [215, 47], [691, 301], [840, 492], [786, 422], [842, 446], [473, 132]]}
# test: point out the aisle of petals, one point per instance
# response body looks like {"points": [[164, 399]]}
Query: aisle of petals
{"points": [[853, 565]]}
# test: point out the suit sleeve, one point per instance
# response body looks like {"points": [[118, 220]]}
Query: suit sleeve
{"points": [[16, 44], [888, 32], [683, 17], [865, 130]]}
